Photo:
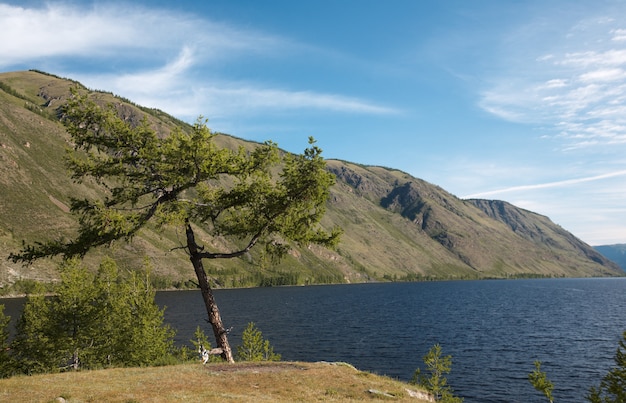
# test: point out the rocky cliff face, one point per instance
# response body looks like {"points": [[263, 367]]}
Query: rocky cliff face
{"points": [[396, 226], [537, 228], [490, 237]]}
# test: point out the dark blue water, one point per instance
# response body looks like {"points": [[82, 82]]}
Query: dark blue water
{"points": [[494, 330]]}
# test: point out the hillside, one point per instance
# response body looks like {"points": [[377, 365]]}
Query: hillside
{"points": [[396, 226], [616, 253]]}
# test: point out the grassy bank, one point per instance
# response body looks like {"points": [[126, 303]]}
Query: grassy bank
{"points": [[241, 382]]}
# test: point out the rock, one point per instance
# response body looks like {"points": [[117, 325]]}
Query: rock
{"points": [[418, 394], [380, 393]]}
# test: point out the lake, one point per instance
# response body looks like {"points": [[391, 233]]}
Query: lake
{"points": [[494, 330]]}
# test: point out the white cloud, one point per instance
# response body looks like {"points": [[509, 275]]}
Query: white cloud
{"points": [[175, 58], [586, 59], [619, 35], [233, 99], [158, 80], [555, 83], [563, 183], [264, 98], [603, 75], [114, 29], [63, 31], [173, 88], [574, 88]]}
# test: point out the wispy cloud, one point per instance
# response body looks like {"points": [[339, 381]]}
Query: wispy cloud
{"points": [[568, 182], [576, 90], [175, 89], [152, 81], [255, 99], [59, 31], [179, 69], [119, 29]]}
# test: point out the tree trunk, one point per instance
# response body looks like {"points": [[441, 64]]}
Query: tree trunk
{"points": [[221, 336]]}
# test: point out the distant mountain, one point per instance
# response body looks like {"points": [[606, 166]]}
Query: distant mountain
{"points": [[397, 227], [616, 253]]}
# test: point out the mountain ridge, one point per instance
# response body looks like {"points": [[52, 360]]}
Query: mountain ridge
{"points": [[396, 226]]}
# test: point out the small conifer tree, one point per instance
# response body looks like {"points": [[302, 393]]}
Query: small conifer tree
{"points": [[436, 383], [33, 348], [612, 388], [254, 347], [540, 381], [6, 363], [201, 339], [92, 322]]}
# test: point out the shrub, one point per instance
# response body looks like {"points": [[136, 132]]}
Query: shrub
{"points": [[92, 322]]}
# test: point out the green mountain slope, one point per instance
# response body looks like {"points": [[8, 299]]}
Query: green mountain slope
{"points": [[396, 226]]}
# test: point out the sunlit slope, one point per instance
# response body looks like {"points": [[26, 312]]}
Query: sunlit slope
{"points": [[396, 226]]}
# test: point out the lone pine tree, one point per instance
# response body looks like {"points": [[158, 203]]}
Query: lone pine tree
{"points": [[263, 196]]}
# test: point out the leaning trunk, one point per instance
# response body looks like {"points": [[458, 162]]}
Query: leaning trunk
{"points": [[215, 319]]}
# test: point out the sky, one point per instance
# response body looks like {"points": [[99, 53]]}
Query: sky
{"points": [[522, 101]]}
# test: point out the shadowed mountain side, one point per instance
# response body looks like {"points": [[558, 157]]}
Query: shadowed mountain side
{"points": [[617, 253], [396, 226]]}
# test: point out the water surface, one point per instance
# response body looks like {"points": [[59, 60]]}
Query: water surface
{"points": [[494, 330]]}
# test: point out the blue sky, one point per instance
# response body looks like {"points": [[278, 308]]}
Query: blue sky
{"points": [[523, 101]]}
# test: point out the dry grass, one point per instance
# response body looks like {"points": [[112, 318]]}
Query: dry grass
{"points": [[241, 382]]}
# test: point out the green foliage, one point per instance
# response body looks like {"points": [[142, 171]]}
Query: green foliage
{"points": [[247, 196], [259, 196], [92, 322], [55, 76], [33, 346], [9, 90], [40, 111], [540, 381], [23, 287], [144, 337], [437, 367], [612, 388], [201, 339], [254, 347], [6, 361]]}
